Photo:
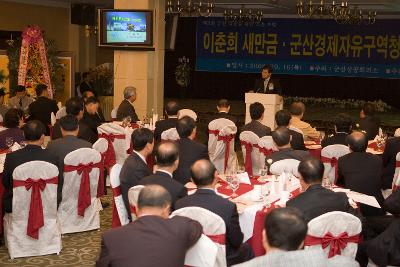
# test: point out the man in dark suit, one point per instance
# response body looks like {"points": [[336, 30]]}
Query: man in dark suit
{"points": [[267, 84], [99, 116], [90, 115], [361, 172], [126, 108], [171, 111], [34, 136], [153, 239], [188, 148], [167, 160], [74, 106], [135, 167], [343, 125], [315, 199], [281, 138], [282, 118], [205, 176], [392, 147], [256, 126], [368, 122], [42, 108]]}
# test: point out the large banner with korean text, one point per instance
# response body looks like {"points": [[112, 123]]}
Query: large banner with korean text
{"points": [[300, 46]]}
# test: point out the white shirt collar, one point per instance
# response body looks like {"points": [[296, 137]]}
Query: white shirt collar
{"points": [[164, 171], [207, 188], [140, 156], [173, 117]]}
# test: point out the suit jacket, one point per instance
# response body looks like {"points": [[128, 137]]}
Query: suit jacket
{"points": [[336, 139], [176, 189], [309, 132], [164, 125], [84, 133], [392, 203], [93, 121], [259, 86], [289, 153], [15, 133], [133, 170], [126, 109], [317, 200], [148, 242], [16, 158], [370, 125], [297, 142], [389, 161], [190, 152], [227, 210], [41, 110], [258, 128], [361, 172]]}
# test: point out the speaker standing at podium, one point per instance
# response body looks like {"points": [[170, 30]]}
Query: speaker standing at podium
{"points": [[267, 84]]}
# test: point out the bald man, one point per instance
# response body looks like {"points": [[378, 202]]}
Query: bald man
{"points": [[153, 239], [171, 111], [361, 172]]}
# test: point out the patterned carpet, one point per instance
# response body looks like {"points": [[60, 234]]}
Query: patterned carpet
{"points": [[80, 249]]}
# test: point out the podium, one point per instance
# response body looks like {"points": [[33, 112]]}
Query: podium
{"points": [[272, 103]]}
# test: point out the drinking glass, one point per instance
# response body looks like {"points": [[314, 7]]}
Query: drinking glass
{"points": [[234, 185], [263, 174], [9, 142], [228, 179], [326, 183], [265, 193]]}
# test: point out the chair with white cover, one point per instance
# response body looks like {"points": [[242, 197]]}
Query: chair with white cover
{"points": [[121, 216], [53, 119], [114, 114], [170, 135], [213, 227], [32, 228], [133, 196], [1, 118], [187, 112], [285, 166], [330, 156], [61, 113], [296, 129], [221, 145], [118, 143], [266, 147], [397, 133], [396, 177], [80, 206], [251, 153], [337, 232]]}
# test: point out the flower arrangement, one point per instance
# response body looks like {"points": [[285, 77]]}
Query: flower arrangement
{"points": [[3, 79], [182, 72]]}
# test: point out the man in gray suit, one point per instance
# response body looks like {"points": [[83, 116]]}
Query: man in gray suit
{"points": [[126, 108], [283, 238]]}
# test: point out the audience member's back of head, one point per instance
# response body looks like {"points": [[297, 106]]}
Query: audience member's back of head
{"points": [[203, 172], [185, 126], [141, 137], [343, 123], [74, 106], [256, 111], [12, 118], [311, 170], [297, 109], [34, 130], [368, 109], [172, 108], [166, 154], [285, 229], [282, 118], [153, 196], [91, 100], [40, 88], [223, 103], [281, 136], [358, 141], [69, 123]]}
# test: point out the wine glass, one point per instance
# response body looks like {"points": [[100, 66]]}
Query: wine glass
{"points": [[326, 183], [228, 179], [234, 185], [9, 142], [265, 193]]}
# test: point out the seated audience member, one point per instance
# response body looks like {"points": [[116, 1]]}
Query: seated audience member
{"points": [[281, 137], [205, 176], [361, 172], [342, 129], [153, 239], [171, 112], [392, 147], [3, 107], [42, 108], [256, 126], [188, 148], [13, 121], [283, 239], [21, 100], [297, 110], [167, 159], [223, 108], [282, 118], [135, 166], [316, 200], [74, 106], [98, 116], [34, 132], [368, 122], [392, 203], [126, 108], [90, 115]]}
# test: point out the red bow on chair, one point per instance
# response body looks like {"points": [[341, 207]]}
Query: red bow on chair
{"points": [[248, 163], [35, 220], [265, 151], [219, 239], [84, 198], [109, 155], [214, 132], [336, 243], [334, 163], [227, 141]]}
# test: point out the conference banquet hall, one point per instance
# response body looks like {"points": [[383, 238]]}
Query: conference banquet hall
{"points": [[204, 133]]}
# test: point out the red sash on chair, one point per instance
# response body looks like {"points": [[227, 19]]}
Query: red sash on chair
{"points": [[266, 151], [334, 163], [109, 155], [116, 222], [219, 239], [214, 132], [336, 243], [248, 163], [84, 198], [227, 141], [35, 219]]}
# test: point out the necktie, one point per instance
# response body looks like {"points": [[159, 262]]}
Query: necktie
{"points": [[20, 103]]}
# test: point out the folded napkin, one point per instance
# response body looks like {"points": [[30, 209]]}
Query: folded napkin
{"points": [[243, 178]]}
